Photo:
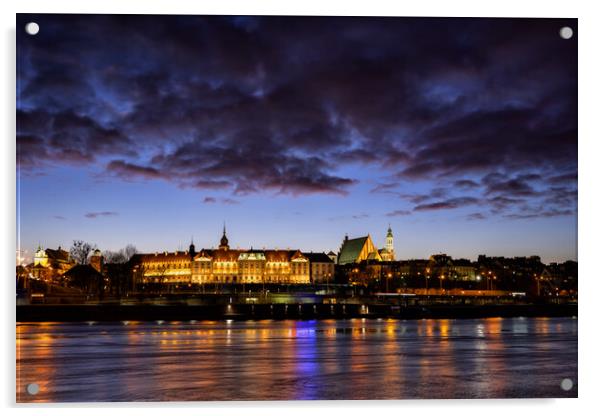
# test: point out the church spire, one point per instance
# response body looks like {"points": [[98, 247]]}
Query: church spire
{"points": [[224, 240], [191, 249], [390, 247]]}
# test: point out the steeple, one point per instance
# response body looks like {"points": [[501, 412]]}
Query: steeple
{"points": [[191, 249], [224, 240], [390, 247]]}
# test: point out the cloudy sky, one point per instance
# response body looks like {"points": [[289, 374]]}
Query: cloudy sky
{"points": [[460, 133]]}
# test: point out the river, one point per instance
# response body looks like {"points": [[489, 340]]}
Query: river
{"points": [[297, 360]]}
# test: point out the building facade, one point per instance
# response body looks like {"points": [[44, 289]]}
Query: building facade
{"points": [[222, 265], [321, 267], [50, 264], [356, 250]]}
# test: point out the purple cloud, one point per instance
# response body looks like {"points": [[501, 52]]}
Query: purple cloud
{"points": [[93, 215]]}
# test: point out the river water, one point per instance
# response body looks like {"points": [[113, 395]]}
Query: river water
{"points": [[297, 360]]}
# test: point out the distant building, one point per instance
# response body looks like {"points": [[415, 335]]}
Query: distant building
{"points": [[388, 253], [321, 267], [333, 256], [97, 261], [356, 250], [463, 269], [86, 278], [222, 265], [359, 249], [49, 264]]}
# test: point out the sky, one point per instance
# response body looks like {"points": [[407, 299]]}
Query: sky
{"points": [[461, 134]]}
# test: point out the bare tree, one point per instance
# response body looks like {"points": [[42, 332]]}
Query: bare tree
{"points": [[129, 251], [80, 251], [114, 257], [121, 256]]}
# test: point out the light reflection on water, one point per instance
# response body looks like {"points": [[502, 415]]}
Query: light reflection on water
{"points": [[297, 360]]}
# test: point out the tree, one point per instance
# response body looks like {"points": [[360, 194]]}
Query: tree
{"points": [[129, 251], [80, 251], [118, 269], [121, 256]]}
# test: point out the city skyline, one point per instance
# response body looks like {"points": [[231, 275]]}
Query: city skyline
{"points": [[184, 247], [297, 131]]}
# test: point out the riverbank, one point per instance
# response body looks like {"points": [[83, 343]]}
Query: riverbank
{"points": [[153, 312]]}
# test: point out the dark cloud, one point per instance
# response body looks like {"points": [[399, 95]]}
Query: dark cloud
{"points": [[225, 201], [66, 138], [466, 184], [467, 108], [541, 213], [518, 186], [385, 188], [451, 203], [93, 215], [563, 179], [398, 213], [475, 216], [229, 201], [127, 170], [58, 217]]}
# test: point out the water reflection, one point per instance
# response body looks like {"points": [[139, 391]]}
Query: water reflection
{"points": [[287, 360]]}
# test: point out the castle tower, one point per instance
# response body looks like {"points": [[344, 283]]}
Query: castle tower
{"points": [[223, 244], [191, 249], [389, 243]]}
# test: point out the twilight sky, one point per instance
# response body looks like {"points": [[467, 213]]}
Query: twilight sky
{"points": [[460, 133]]}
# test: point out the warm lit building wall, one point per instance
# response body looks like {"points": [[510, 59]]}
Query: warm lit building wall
{"points": [[226, 266], [322, 272], [277, 271], [202, 269], [251, 267], [299, 270], [165, 268], [464, 272]]}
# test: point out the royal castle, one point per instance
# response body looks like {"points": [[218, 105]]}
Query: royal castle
{"points": [[224, 265]]}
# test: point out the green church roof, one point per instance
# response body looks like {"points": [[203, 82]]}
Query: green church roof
{"points": [[351, 249]]}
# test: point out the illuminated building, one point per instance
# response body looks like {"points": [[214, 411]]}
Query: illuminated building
{"points": [[356, 250], [97, 261], [463, 269], [388, 253], [49, 264], [222, 265], [321, 267]]}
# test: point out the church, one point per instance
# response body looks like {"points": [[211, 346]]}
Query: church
{"points": [[356, 250]]}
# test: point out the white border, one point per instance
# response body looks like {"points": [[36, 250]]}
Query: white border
{"points": [[590, 189]]}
